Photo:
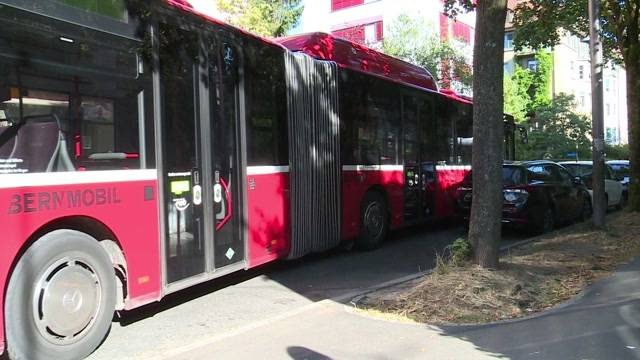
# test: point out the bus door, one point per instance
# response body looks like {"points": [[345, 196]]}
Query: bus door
{"points": [[419, 168], [224, 60], [184, 243], [428, 178], [411, 152]]}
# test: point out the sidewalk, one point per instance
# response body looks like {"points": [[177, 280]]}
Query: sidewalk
{"points": [[604, 323]]}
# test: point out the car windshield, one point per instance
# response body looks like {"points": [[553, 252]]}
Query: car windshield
{"points": [[621, 169]]}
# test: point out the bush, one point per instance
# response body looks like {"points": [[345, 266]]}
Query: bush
{"points": [[461, 251]]}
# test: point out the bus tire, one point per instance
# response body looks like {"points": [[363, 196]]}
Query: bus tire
{"points": [[60, 299], [374, 220]]}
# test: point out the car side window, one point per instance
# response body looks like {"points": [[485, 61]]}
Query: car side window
{"points": [[554, 173], [539, 173], [565, 176], [608, 173]]}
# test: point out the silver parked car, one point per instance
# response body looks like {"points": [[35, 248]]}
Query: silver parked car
{"points": [[612, 186], [621, 169]]}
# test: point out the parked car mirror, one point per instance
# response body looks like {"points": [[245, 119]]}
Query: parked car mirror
{"points": [[577, 180]]}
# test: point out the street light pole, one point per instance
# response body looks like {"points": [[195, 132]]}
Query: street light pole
{"points": [[597, 121]]}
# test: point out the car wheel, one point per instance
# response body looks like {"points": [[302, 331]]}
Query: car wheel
{"points": [[544, 221], [374, 222], [622, 203], [60, 299], [586, 212]]}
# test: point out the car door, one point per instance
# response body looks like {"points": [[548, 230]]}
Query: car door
{"points": [[574, 196], [564, 193], [612, 187]]}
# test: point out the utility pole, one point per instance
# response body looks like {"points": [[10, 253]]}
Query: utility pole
{"points": [[595, 51]]}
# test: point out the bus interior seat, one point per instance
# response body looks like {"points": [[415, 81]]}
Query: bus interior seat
{"points": [[41, 145], [7, 148]]}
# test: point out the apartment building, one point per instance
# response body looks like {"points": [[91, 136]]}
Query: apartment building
{"points": [[571, 74]]}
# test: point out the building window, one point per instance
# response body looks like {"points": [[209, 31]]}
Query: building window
{"points": [[532, 65], [608, 109], [343, 4], [462, 32], [581, 72], [444, 27], [508, 41], [362, 34]]}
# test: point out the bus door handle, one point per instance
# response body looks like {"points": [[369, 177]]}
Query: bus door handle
{"points": [[196, 192], [225, 201]]}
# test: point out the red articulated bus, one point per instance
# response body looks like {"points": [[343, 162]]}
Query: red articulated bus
{"points": [[145, 150]]}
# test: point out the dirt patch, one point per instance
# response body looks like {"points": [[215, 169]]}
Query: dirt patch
{"points": [[531, 278]]}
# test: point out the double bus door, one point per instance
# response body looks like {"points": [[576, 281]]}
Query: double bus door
{"points": [[202, 207], [224, 61], [419, 168]]}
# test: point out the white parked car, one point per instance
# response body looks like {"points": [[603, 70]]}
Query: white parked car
{"points": [[621, 171], [612, 186]]}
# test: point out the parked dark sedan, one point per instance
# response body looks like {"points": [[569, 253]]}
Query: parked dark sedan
{"points": [[537, 195]]}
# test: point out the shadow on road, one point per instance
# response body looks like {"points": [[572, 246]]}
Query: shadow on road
{"points": [[332, 273], [302, 353]]}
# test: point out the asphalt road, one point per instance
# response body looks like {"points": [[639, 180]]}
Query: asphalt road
{"points": [[246, 298]]}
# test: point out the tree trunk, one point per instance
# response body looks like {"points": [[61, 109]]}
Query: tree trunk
{"points": [[488, 132], [633, 109]]}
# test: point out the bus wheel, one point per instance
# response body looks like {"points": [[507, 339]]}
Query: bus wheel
{"points": [[61, 298], [374, 222]]}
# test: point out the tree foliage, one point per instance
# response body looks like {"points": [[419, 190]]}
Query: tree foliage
{"points": [[262, 17], [539, 23], [527, 90], [413, 40], [555, 131]]}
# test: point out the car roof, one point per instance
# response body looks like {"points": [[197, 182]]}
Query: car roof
{"points": [[526, 163], [582, 162], [620, 162]]}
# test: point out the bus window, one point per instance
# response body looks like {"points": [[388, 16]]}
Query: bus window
{"points": [[76, 98], [384, 111], [463, 115], [267, 108]]}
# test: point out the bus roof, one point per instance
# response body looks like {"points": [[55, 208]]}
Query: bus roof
{"points": [[358, 57], [345, 53]]}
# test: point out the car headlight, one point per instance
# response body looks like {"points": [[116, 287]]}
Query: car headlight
{"points": [[515, 196]]}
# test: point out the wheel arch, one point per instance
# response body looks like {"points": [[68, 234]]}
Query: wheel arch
{"points": [[94, 228], [379, 189]]}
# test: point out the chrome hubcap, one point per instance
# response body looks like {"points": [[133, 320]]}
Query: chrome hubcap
{"points": [[66, 301], [374, 219]]}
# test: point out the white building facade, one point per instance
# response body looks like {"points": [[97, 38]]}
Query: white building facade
{"points": [[571, 75]]}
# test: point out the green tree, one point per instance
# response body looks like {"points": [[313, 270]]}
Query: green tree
{"points": [[616, 152], [413, 40], [515, 103], [529, 89], [555, 130], [539, 23], [262, 17]]}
